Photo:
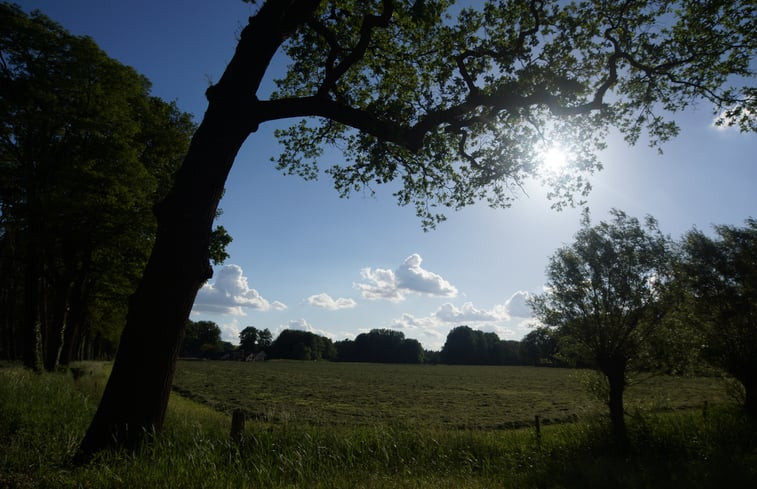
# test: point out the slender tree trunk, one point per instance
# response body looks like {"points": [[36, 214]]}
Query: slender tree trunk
{"points": [[57, 324], [617, 384], [750, 401], [72, 332], [32, 322]]}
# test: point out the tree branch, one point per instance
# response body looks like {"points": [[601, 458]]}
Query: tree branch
{"points": [[370, 22]]}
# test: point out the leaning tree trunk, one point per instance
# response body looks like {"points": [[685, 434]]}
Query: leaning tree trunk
{"points": [[135, 398]]}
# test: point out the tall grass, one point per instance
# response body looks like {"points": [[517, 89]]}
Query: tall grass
{"points": [[42, 419]]}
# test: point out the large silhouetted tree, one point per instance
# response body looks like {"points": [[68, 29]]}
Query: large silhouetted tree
{"points": [[456, 110]]}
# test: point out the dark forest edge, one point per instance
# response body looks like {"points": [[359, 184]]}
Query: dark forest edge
{"points": [[86, 153]]}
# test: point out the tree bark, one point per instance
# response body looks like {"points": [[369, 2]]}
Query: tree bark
{"points": [[750, 401], [72, 332], [32, 322], [135, 398], [617, 383], [57, 323]]}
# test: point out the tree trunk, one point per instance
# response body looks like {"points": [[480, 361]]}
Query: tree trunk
{"points": [[136, 396], [57, 324], [32, 322], [750, 401], [617, 383], [72, 332]]}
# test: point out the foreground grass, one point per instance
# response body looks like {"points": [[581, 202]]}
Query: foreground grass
{"points": [[43, 417]]}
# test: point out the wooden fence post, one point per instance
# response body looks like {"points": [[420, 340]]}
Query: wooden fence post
{"points": [[537, 425]]}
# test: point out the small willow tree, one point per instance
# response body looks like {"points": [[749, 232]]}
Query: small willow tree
{"points": [[720, 277], [453, 104], [604, 300]]}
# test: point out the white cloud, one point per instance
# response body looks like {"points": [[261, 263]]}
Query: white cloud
{"points": [[230, 331], [509, 321], [231, 294], [383, 285], [325, 301], [468, 313], [303, 325], [517, 305], [409, 277]]}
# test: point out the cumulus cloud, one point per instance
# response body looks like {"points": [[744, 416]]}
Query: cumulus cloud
{"points": [[510, 321], [230, 331], [409, 277], [323, 300], [303, 325], [231, 294], [517, 305], [449, 313]]}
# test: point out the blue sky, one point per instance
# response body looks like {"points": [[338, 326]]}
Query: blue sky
{"points": [[304, 258]]}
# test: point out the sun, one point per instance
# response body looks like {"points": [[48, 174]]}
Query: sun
{"points": [[554, 160]]}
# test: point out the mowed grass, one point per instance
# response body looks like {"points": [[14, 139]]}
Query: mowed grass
{"points": [[437, 396], [43, 417]]}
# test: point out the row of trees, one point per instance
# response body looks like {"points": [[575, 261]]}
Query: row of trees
{"points": [[302, 345], [464, 346], [202, 339], [624, 298], [380, 346], [85, 155]]}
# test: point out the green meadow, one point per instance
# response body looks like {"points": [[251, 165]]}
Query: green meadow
{"points": [[436, 396], [331, 425]]}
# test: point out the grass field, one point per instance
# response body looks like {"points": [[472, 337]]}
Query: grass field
{"points": [[43, 417], [439, 396]]}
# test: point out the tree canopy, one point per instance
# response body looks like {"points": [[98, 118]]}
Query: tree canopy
{"points": [[467, 346], [720, 275], [294, 344], [380, 346], [202, 339], [253, 340], [460, 110]]}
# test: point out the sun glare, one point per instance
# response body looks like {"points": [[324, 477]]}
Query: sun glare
{"points": [[554, 160]]}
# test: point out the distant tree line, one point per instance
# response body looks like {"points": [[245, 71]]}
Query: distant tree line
{"points": [[463, 346], [202, 339], [302, 345], [380, 346]]}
